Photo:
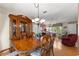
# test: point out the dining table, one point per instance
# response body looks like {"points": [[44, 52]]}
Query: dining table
{"points": [[30, 46]]}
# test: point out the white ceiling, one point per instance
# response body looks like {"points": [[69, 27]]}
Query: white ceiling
{"points": [[56, 12]]}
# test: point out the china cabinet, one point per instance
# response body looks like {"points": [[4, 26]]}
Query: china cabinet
{"points": [[21, 32], [20, 26]]}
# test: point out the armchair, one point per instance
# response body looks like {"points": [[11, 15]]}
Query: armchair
{"points": [[69, 40]]}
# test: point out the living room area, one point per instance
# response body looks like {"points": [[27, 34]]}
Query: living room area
{"points": [[39, 29]]}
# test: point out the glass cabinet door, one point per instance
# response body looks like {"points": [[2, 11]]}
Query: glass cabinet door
{"points": [[14, 27], [23, 27]]}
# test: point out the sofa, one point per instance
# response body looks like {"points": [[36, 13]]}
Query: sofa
{"points": [[69, 40]]}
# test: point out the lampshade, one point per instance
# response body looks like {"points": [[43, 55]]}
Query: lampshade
{"points": [[36, 19], [42, 20], [33, 20]]}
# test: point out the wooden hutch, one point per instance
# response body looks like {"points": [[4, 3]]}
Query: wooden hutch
{"points": [[20, 25], [21, 32]]}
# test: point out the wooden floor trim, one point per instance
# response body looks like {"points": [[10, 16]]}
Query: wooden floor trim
{"points": [[4, 50]]}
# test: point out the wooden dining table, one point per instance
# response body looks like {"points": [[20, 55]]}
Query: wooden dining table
{"points": [[24, 45], [29, 45]]}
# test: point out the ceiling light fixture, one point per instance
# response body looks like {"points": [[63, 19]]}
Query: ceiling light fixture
{"points": [[37, 19], [33, 20], [37, 6], [42, 20]]}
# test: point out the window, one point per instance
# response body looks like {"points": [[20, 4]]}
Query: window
{"points": [[57, 29]]}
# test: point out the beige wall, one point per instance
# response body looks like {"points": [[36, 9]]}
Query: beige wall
{"points": [[78, 32], [71, 28], [4, 30], [78, 26], [77, 43]]}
